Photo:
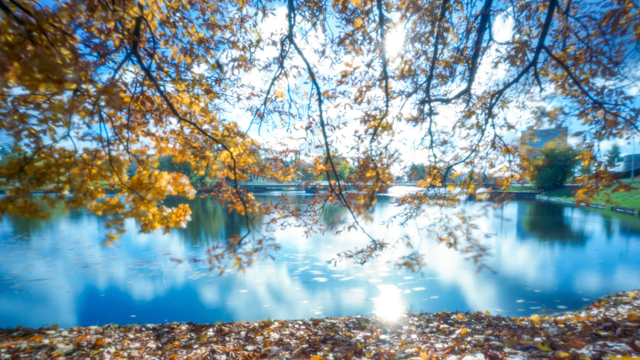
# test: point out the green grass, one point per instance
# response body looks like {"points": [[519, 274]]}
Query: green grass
{"points": [[563, 193], [521, 188], [628, 199]]}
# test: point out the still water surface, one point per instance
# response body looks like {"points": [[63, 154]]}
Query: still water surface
{"points": [[547, 257]]}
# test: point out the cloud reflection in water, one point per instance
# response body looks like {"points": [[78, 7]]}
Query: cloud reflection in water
{"points": [[60, 273]]}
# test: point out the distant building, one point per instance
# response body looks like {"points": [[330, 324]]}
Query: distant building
{"points": [[627, 162], [538, 138]]}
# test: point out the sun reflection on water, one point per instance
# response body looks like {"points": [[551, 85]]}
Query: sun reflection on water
{"points": [[389, 306]]}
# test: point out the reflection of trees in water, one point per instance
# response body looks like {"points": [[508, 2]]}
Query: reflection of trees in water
{"points": [[207, 220], [627, 225], [613, 223], [333, 215], [545, 221], [27, 228], [339, 214], [210, 221]]}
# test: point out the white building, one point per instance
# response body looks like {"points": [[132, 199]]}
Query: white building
{"points": [[627, 162]]}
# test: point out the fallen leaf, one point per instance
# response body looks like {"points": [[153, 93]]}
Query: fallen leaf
{"points": [[511, 342], [543, 346], [576, 344]]}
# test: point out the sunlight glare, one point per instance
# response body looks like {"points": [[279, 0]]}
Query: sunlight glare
{"points": [[389, 305], [200, 69], [394, 41]]}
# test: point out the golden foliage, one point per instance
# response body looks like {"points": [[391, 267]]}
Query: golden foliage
{"points": [[93, 92]]}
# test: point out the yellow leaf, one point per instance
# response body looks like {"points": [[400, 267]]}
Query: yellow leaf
{"points": [[424, 355], [460, 317], [511, 342], [356, 2], [463, 331], [631, 294], [358, 22], [317, 357], [543, 346], [535, 317]]}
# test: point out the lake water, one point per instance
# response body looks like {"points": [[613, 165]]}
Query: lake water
{"points": [[547, 257]]}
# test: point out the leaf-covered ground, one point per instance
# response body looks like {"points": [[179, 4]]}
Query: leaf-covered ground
{"points": [[609, 328]]}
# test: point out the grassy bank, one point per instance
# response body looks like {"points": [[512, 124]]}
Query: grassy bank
{"points": [[521, 188], [627, 199], [608, 328]]}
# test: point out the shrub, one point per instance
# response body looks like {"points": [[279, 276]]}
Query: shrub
{"points": [[552, 167]]}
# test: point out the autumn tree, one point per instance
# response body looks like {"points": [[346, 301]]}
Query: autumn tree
{"points": [[343, 168], [90, 87], [416, 172], [197, 180]]}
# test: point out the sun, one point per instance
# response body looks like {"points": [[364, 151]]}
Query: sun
{"points": [[394, 41], [389, 306]]}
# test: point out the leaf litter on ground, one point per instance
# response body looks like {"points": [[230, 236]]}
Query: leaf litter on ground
{"points": [[607, 329]]}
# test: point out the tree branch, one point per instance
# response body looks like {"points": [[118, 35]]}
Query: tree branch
{"points": [[495, 97], [485, 15], [436, 45], [385, 72], [136, 54], [573, 78], [327, 149]]}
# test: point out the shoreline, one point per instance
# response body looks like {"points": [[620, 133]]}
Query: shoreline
{"points": [[624, 210], [605, 329], [543, 196]]}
